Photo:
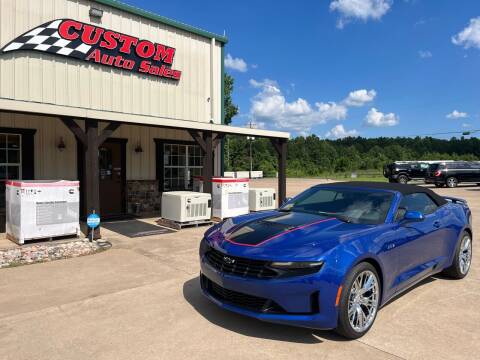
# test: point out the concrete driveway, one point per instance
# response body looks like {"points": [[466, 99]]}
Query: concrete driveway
{"points": [[141, 300]]}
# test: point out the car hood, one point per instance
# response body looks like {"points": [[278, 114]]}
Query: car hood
{"points": [[278, 235]]}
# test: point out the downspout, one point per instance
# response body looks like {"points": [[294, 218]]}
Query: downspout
{"points": [[222, 107], [212, 79]]}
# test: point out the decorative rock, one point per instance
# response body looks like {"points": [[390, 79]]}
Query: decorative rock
{"points": [[29, 254]]}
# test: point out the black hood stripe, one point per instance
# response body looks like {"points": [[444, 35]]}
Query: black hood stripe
{"points": [[227, 238]]}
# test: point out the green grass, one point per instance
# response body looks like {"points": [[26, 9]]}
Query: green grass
{"points": [[361, 176]]}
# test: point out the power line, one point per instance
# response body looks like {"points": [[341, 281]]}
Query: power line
{"points": [[469, 132]]}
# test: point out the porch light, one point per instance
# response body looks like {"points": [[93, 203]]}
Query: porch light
{"points": [[96, 13], [138, 148], [61, 144]]}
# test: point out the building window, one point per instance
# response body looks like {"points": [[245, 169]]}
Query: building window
{"points": [[10, 157], [10, 163], [180, 164]]}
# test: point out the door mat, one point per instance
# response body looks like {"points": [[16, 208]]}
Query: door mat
{"points": [[136, 228]]}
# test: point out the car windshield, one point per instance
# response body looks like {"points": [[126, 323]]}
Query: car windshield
{"points": [[349, 205]]}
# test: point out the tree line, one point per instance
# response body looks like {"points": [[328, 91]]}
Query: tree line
{"points": [[312, 156]]}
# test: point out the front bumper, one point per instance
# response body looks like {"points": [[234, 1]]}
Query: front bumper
{"points": [[304, 301]]}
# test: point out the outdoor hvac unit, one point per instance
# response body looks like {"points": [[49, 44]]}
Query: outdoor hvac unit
{"points": [[41, 209], [242, 174], [230, 197], [261, 199], [256, 174], [185, 206]]}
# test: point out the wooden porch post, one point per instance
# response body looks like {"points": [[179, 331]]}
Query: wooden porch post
{"points": [[207, 142], [91, 171], [208, 162], [280, 146], [91, 140]]}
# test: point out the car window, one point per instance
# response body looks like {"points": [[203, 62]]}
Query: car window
{"points": [[359, 206], [322, 197], [416, 202]]}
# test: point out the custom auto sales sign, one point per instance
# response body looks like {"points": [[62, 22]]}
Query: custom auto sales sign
{"points": [[101, 46]]}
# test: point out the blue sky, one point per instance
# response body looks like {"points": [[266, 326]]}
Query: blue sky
{"points": [[340, 67]]}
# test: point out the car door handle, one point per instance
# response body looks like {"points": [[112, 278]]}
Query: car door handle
{"points": [[436, 224]]}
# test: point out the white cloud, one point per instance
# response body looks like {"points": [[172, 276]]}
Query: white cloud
{"points": [[466, 125], [455, 114], [270, 106], [339, 132], [470, 36], [376, 118], [360, 97], [359, 10], [425, 54], [237, 64]]}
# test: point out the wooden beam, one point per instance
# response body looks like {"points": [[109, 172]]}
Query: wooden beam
{"points": [[276, 145], [75, 129], [107, 132], [217, 139], [198, 139], [91, 171]]}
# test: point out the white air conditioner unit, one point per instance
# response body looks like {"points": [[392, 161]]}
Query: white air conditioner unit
{"points": [[229, 174], [242, 174], [230, 197], [261, 199], [41, 209], [256, 174], [185, 206]]}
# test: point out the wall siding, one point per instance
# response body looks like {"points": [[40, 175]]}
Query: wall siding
{"points": [[50, 163], [38, 77]]}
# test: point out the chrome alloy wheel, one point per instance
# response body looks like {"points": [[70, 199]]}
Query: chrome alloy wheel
{"points": [[451, 182], [363, 301], [465, 254]]}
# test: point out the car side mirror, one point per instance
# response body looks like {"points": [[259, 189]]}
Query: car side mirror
{"points": [[413, 216]]}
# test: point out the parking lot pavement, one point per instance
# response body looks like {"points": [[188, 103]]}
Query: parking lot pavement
{"points": [[141, 300]]}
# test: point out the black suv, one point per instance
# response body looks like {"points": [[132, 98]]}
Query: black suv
{"points": [[403, 172], [452, 173]]}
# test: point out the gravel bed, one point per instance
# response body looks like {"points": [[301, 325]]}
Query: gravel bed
{"points": [[44, 252]]}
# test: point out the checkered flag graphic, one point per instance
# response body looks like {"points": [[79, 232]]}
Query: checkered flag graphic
{"points": [[46, 38]]}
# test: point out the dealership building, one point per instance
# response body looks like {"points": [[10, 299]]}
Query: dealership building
{"points": [[126, 101]]}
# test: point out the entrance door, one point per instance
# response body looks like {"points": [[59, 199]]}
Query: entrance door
{"points": [[111, 156]]}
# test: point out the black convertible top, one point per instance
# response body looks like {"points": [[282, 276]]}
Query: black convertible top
{"points": [[404, 189]]}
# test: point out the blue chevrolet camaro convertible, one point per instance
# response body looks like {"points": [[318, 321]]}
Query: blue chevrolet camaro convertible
{"points": [[333, 255]]}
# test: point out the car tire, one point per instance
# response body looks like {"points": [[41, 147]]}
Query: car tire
{"points": [[451, 182], [462, 259], [350, 299], [402, 179], [439, 185]]}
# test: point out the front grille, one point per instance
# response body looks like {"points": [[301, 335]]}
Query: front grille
{"points": [[236, 298], [239, 266]]}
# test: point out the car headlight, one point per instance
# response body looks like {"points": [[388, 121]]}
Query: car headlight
{"points": [[297, 265]]}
